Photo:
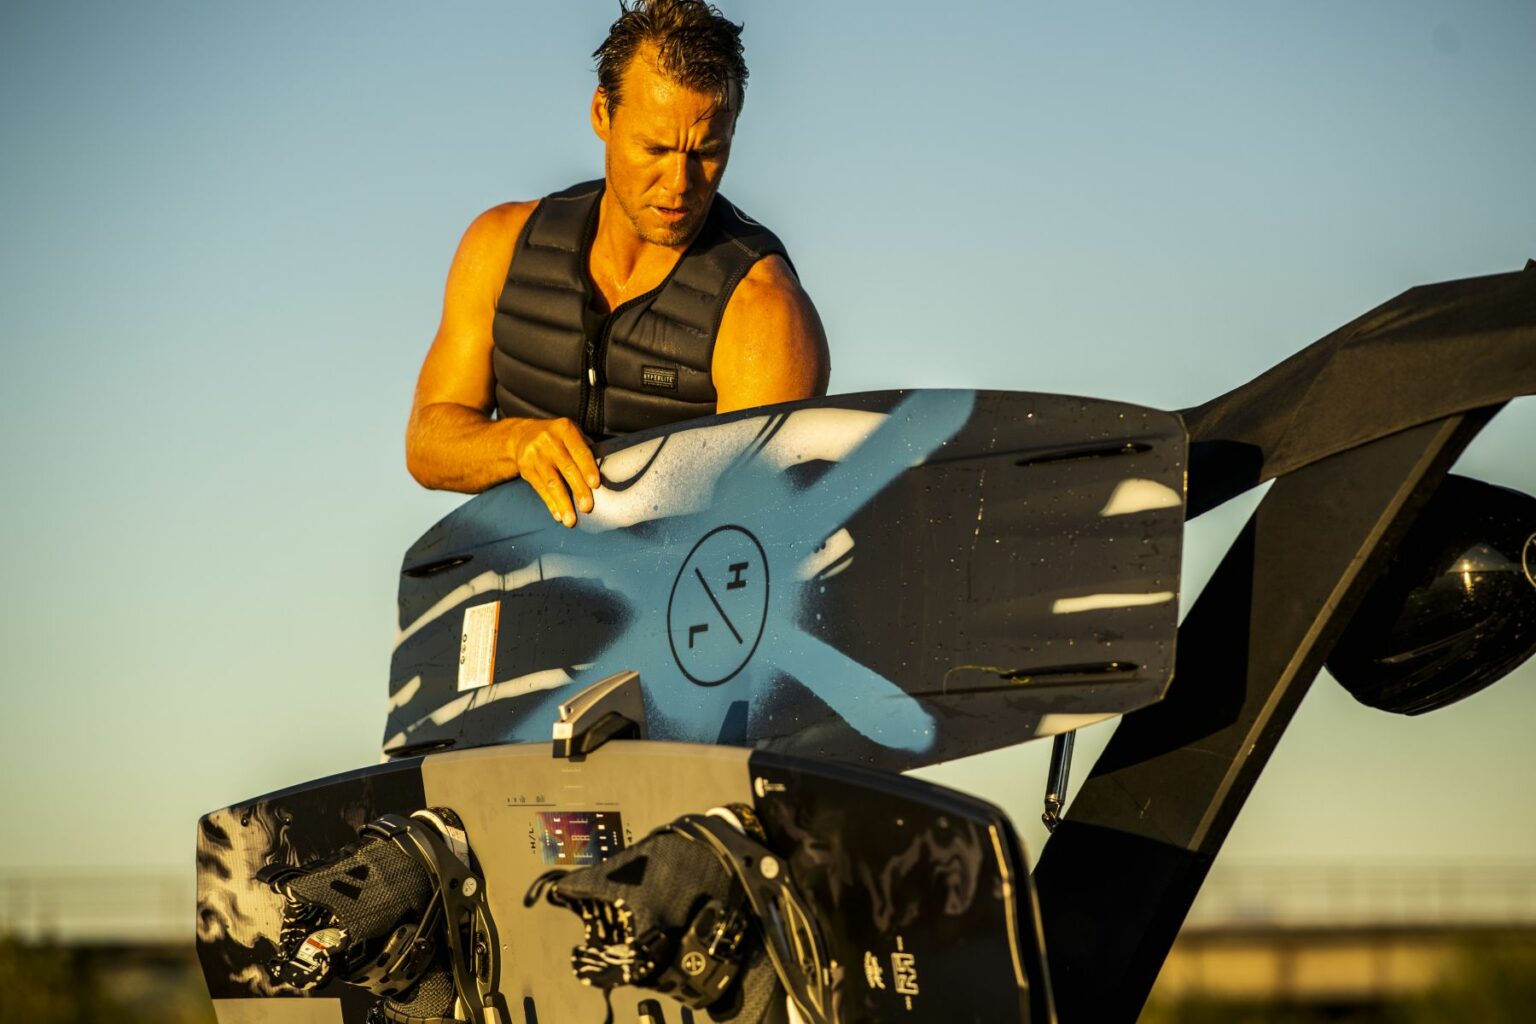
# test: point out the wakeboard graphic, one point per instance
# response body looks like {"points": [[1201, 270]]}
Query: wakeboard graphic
{"points": [[920, 895], [894, 578], [239, 920]]}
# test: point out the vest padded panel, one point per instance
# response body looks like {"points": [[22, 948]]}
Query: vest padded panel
{"points": [[646, 364]]}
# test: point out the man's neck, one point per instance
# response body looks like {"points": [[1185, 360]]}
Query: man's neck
{"points": [[622, 263]]}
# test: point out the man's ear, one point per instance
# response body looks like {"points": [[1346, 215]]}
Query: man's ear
{"points": [[600, 120]]}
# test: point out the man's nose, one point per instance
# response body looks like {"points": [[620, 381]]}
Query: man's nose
{"points": [[680, 173]]}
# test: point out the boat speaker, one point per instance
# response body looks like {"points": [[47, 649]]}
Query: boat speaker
{"points": [[1454, 611]]}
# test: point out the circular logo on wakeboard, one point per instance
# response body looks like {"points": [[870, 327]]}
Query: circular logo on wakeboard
{"points": [[719, 605]]}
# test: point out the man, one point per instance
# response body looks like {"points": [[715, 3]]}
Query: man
{"points": [[618, 305]]}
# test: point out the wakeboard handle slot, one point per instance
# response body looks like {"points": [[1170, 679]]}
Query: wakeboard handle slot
{"points": [[1036, 678], [419, 749], [433, 568], [1087, 668], [1075, 452], [1024, 457]]}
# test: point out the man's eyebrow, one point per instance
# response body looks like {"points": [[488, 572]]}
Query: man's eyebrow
{"points": [[707, 142]]}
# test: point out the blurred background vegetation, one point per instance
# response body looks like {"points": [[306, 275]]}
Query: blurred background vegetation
{"points": [[75, 984], [59, 984], [1485, 986], [1277, 943]]}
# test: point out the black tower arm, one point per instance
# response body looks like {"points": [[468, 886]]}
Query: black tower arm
{"points": [[1117, 877]]}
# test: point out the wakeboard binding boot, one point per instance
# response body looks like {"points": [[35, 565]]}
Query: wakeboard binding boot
{"points": [[701, 911], [401, 914]]}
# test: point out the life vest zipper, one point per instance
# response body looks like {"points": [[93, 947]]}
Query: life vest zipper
{"points": [[589, 397], [593, 424], [592, 419]]}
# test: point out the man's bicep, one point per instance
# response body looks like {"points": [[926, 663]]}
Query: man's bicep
{"points": [[457, 368], [771, 346]]}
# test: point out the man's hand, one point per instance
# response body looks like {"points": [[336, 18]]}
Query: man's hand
{"points": [[455, 448], [553, 456]]}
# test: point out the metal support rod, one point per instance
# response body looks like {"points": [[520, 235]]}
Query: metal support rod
{"points": [[1057, 777]]}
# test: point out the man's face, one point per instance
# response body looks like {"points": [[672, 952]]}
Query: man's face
{"points": [[667, 146]]}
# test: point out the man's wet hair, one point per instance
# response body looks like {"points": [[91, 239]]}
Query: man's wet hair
{"points": [[696, 46]]}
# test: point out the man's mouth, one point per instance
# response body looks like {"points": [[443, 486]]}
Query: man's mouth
{"points": [[672, 214]]}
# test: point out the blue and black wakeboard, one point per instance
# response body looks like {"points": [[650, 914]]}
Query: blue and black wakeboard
{"points": [[893, 578]]}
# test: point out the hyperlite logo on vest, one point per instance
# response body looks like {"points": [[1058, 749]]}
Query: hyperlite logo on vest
{"points": [[662, 378]]}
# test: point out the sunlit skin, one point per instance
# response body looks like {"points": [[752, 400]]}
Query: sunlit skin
{"points": [[665, 150]]}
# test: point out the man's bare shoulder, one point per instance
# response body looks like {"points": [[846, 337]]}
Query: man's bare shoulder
{"points": [[771, 346], [493, 234], [771, 282]]}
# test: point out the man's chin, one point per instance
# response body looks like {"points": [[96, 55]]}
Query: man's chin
{"points": [[671, 233]]}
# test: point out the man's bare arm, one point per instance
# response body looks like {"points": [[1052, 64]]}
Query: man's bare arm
{"points": [[451, 442], [771, 347]]}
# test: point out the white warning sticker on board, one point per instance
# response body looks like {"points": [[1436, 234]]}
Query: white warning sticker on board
{"points": [[477, 645]]}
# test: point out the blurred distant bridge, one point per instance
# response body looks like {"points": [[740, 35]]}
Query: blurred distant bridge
{"points": [[91, 906], [1368, 895], [1346, 934], [1327, 933], [97, 906]]}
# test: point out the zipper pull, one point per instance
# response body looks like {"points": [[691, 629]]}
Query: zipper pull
{"points": [[592, 375]]}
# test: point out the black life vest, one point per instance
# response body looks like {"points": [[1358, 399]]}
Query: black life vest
{"points": [[647, 363]]}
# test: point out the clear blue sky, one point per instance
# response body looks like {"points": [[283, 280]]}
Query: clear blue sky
{"points": [[223, 234]]}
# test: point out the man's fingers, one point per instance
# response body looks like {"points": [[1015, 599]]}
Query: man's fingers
{"points": [[559, 499], [550, 488], [587, 464], [552, 455], [579, 489], [541, 488], [576, 444]]}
